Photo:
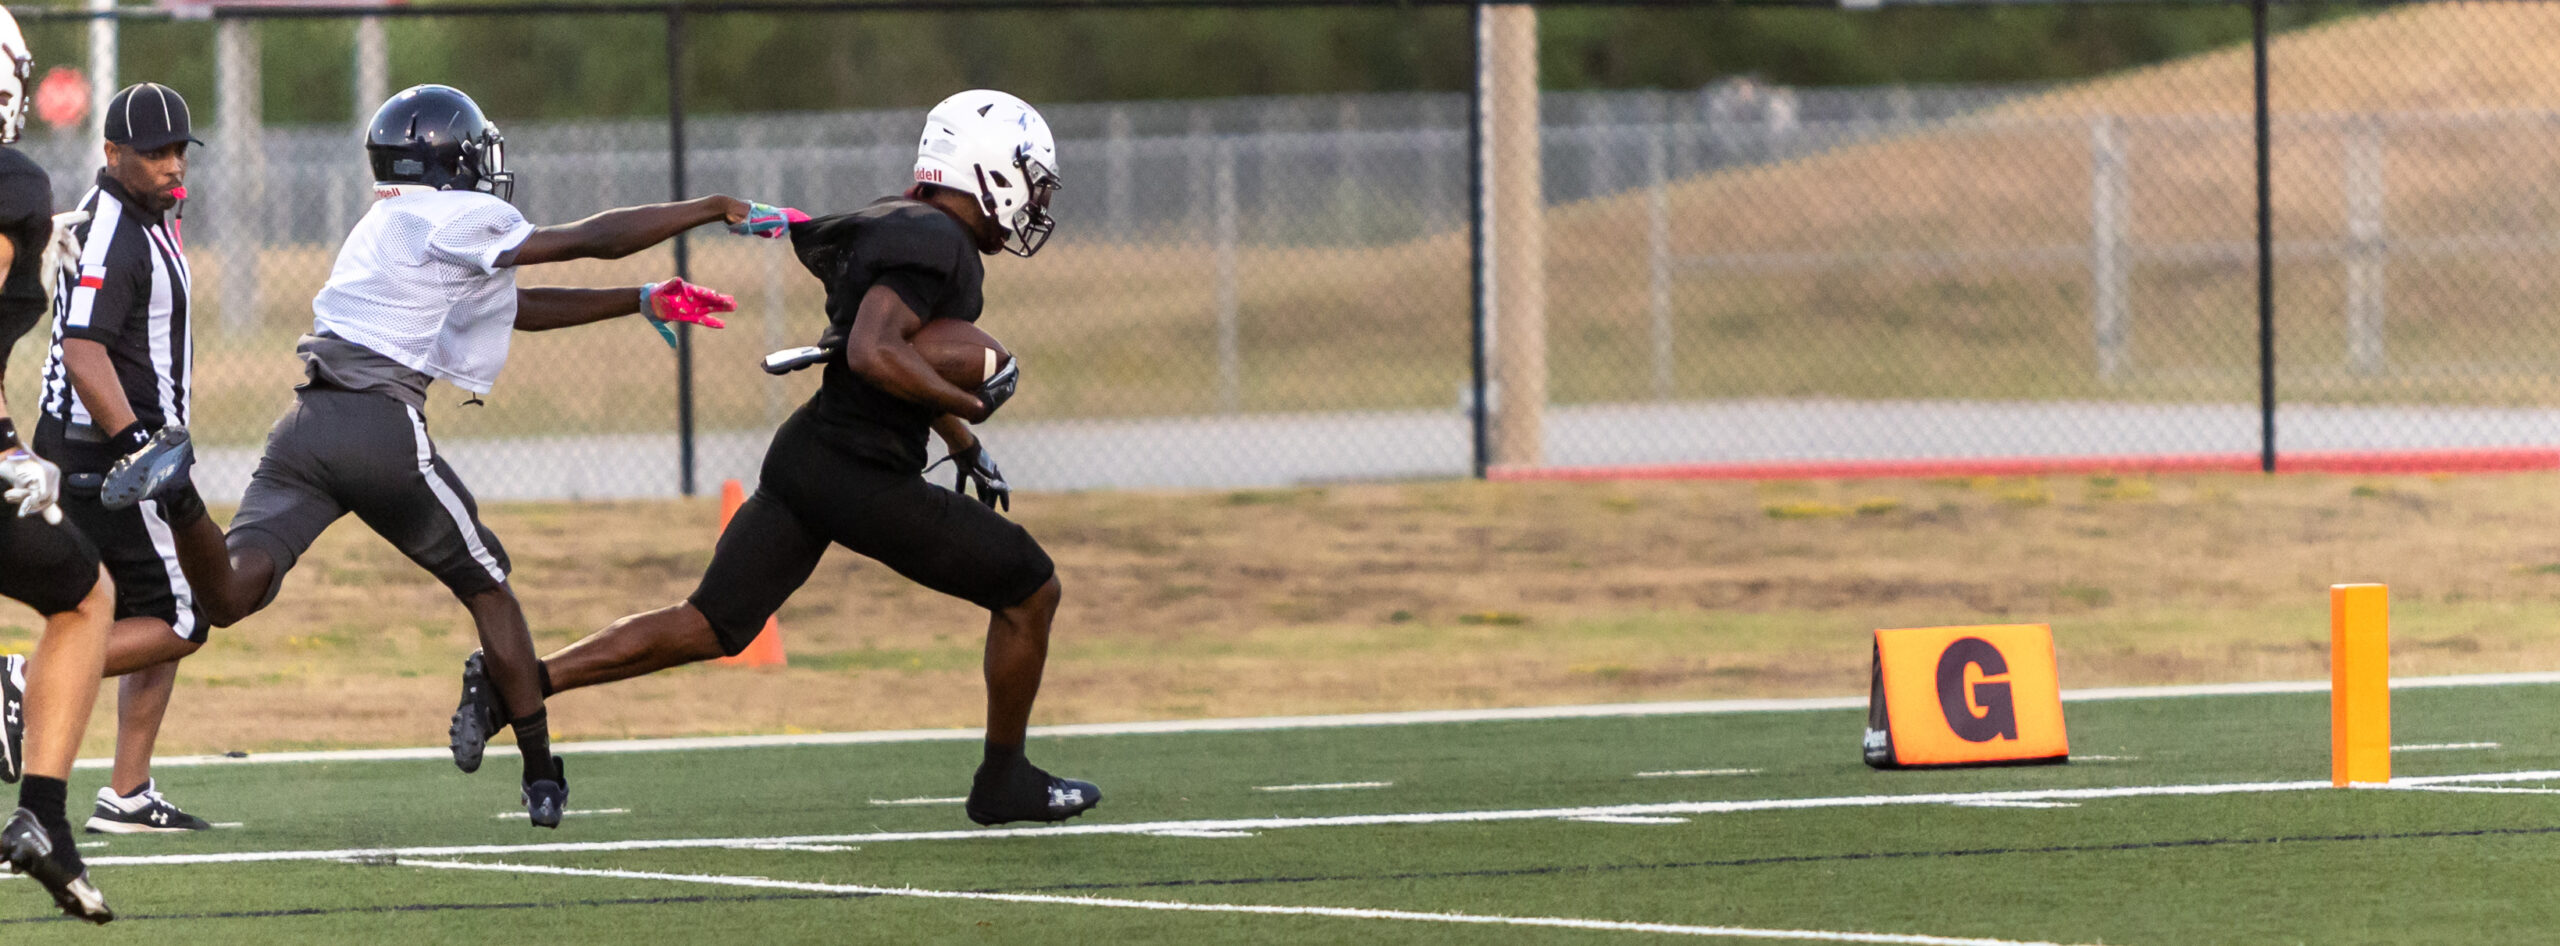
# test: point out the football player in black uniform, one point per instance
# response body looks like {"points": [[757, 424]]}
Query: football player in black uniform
{"points": [[847, 467], [45, 563]]}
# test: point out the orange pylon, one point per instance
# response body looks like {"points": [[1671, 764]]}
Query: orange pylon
{"points": [[766, 649]]}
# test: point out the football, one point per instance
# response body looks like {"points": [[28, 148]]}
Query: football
{"points": [[959, 351]]}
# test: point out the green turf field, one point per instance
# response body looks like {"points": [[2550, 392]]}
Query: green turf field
{"points": [[2196, 821]]}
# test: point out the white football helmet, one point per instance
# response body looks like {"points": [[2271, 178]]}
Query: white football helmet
{"points": [[995, 147], [21, 65]]}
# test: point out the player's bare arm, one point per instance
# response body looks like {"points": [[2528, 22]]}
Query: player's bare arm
{"points": [[546, 308], [615, 234], [876, 348]]}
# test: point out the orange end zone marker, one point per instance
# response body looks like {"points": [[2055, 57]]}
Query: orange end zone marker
{"points": [[2359, 685], [766, 649]]}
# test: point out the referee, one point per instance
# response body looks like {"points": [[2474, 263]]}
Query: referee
{"points": [[121, 367]]}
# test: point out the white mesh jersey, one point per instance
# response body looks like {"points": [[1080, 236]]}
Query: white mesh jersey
{"points": [[418, 281]]}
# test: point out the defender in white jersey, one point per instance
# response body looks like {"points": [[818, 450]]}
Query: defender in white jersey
{"points": [[424, 291]]}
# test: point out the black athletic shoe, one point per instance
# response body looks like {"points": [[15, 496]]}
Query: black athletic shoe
{"points": [[136, 477], [545, 800], [29, 850], [143, 812], [13, 717], [478, 717], [1025, 793]]}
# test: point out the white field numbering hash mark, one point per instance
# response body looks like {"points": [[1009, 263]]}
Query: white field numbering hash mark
{"points": [[580, 812], [1696, 773], [1323, 787], [1178, 906], [1332, 821]]}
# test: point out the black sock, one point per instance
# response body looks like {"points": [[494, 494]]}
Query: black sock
{"points": [[45, 797], [1000, 757], [533, 738], [543, 668]]}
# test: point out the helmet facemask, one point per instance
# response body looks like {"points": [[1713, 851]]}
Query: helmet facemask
{"points": [[484, 158], [21, 66], [1031, 224]]}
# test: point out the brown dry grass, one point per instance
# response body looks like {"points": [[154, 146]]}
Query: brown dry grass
{"points": [[1440, 595]]}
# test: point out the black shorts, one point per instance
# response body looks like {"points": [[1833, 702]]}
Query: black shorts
{"points": [[336, 452], [812, 494], [46, 567], [139, 545]]}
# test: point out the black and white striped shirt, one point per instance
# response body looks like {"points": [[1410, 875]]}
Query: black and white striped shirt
{"points": [[131, 295]]}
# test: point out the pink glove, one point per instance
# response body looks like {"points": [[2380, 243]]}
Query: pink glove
{"points": [[676, 300]]}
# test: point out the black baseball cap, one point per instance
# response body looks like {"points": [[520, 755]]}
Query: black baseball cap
{"points": [[148, 117]]}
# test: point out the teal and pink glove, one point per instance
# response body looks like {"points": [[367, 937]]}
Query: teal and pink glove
{"points": [[676, 300], [767, 221]]}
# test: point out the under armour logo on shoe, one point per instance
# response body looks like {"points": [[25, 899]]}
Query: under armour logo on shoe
{"points": [[159, 816], [1059, 797]]}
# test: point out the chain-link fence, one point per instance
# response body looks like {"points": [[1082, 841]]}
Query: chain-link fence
{"points": [[1275, 289]]}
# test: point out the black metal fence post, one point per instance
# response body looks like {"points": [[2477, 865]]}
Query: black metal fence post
{"points": [[676, 191], [2266, 251]]}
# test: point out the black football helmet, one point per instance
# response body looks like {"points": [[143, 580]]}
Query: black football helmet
{"points": [[436, 136]]}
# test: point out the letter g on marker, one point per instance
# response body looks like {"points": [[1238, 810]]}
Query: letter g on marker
{"points": [[1999, 717]]}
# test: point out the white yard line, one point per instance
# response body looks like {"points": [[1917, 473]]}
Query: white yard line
{"points": [[1274, 723], [2444, 746], [813, 848], [2017, 804], [960, 800], [580, 812], [1205, 834], [1323, 787], [1177, 906], [1091, 829], [1629, 819], [2478, 789], [1696, 773]]}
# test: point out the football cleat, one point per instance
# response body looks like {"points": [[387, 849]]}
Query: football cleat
{"points": [[478, 717], [139, 476], [144, 812], [545, 800], [1028, 794], [29, 850], [13, 717]]}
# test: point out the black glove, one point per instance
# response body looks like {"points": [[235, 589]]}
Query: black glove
{"points": [[975, 466], [999, 389]]}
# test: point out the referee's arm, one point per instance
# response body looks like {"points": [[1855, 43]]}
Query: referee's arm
{"points": [[93, 375], [98, 315]]}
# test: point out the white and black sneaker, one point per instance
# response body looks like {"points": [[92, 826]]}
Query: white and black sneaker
{"points": [[143, 812], [13, 717], [27, 848]]}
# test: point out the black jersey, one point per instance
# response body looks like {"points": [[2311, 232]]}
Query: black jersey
{"points": [[930, 261], [26, 218]]}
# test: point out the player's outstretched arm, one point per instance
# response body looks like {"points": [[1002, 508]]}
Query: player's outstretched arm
{"points": [[545, 308], [877, 349], [615, 234]]}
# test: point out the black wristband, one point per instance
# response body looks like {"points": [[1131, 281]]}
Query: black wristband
{"points": [[131, 438], [8, 434]]}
